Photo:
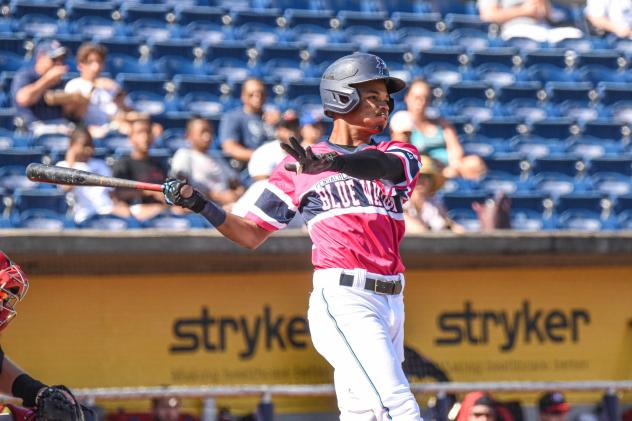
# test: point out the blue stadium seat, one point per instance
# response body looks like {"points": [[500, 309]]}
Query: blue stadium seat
{"points": [[229, 58], [553, 184], [128, 46], [282, 60], [148, 101], [409, 20], [202, 103], [123, 64], [14, 177], [307, 89], [549, 73], [423, 39], [21, 8], [350, 18], [607, 58], [441, 65], [500, 182], [624, 220], [359, 5], [53, 144], [131, 12], [154, 83], [189, 84], [532, 201], [471, 39], [370, 38], [553, 56], [460, 21], [186, 15], [536, 146], [463, 200], [619, 165], [207, 32], [169, 221], [11, 62], [527, 110], [558, 92], [623, 203], [580, 220], [21, 156], [589, 147], [261, 34], [481, 146], [34, 25], [611, 184], [7, 118], [499, 55], [53, 200], [467, 218], [109, 223], [297, 18], [265, 17], [596, 73], [566, 164], [96, 27], [81, 9], [153, 30], [180, 47], [323, 56], [503, 128], [587, 201], [612, 93], [555, 128], [605, 129], [43, 219], [510, 163], [528, 220], [173, 120], [525, 45], [453, 6], [13, 43], [518, 90], [178, 65]]}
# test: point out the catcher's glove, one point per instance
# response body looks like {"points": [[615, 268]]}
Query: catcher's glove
{"points": [[57, 403]]}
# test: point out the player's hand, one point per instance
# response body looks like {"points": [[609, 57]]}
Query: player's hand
{"points": [[307, 162], [57, 403], [178, 192]]}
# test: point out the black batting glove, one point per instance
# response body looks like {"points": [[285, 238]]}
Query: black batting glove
{"points": [[172, 190], [309, 163]]}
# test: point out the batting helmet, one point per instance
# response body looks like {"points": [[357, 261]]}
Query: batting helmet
{"points": [[337, 86], [13, 287]]}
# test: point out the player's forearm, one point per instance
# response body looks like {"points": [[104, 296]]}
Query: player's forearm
{"points": [[243, 231], [14, 382], [371, 165]]}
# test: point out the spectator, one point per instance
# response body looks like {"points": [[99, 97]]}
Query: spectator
{"points": [[87, 200], [402, 125], [140, 166], [242, 130], [480, 406], [424, 212], [437, 138], [202, 171], [32, 91], [264, 160], [167, 408], [553, 407], [313, 128], [106, 99], [613, 16], [525, 19]]}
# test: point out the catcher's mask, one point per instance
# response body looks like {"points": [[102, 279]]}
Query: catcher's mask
{"points": [[13, 287], [338, 92]]}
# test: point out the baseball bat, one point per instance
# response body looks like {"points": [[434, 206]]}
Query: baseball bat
{"points": [[69, 176]]}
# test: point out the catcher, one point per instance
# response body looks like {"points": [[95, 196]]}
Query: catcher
{"points": [[41, 402]]}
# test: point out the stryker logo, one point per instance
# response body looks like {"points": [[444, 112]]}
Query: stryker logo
{"points": [[212, 333], [525, 324]]}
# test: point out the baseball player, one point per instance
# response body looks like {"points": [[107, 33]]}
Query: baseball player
{"points": [[349, 191], [44, 403]]}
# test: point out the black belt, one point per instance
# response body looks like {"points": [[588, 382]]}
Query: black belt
{"points": [[380, 286]]}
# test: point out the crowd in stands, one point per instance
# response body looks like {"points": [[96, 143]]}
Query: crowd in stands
{"points": [[512, 133]]}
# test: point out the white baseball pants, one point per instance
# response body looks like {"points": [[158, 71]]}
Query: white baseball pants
{"points": [[361, 334]]}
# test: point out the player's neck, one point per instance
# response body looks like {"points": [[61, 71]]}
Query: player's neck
{"points": [[345, 134]]}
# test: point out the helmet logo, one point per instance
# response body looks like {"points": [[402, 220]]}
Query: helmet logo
{"points": [[382, 70]]}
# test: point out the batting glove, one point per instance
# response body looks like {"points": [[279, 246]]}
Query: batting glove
{"points": [[309, 163], [172, 191]]}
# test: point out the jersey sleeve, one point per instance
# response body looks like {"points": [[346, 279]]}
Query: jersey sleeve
{"points": [[276, 205], [409, 156]]}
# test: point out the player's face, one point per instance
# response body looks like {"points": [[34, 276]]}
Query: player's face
{"points": [[200, 135], [83, 148], [554, 416], [481, 413], [92, 67], [418, 98], [372, 112]]}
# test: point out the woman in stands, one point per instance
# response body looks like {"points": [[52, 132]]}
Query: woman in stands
{"points": [[437, 138]]}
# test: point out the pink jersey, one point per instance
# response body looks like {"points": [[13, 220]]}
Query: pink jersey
{"points": [[353, 223]]}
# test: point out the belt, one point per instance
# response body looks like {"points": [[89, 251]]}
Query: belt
{"points": [[379, 286]]}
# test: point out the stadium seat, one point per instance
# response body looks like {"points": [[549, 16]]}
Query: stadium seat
{"points": [[566, 164], [624, 220], [132, 12], [553, 128], [449, 55], [616, 164], [623, 203], [500, 182], [605, 130], [148, 101], [596, 73], [123, 64], [593, 202], [527, 220], [558, 92], [467, 218], [186, 15], [549, 73], [168, 222], [149, 30], [202, 103], [323, 56], [531, 211], [500, 55], [510, 163], [128, 46], [536, 146], [518, 90], [297, 18], [611, 184], [181, 47], [13, 43], [42, 26], [53, 200], [178, 65], [21, 8], [471, 39], [306, 89], [13, 177], [553, 56], [456, 21], [553, 184], [589, 147], [96, 27], [21, 156], [612, 93], [109, 223], [370, 38], [185, 84], [407, 20], [81, 9], [42, 219], [229, 58], [605, 58], [461, 200], [499, 128], [282, 60], [10, 62], [142, 82], [350, 18], [580, 220], [173, 120]]}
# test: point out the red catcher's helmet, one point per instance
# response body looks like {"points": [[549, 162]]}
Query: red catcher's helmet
{"points": [[13, 287]]}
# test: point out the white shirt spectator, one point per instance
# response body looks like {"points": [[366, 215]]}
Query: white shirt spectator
{"points": [[619, 12], [102, 107], [202, 171], [265, 159], [90, 200]]}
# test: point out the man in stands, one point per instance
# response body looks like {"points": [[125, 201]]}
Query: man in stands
{"points": [[553, 407]]}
